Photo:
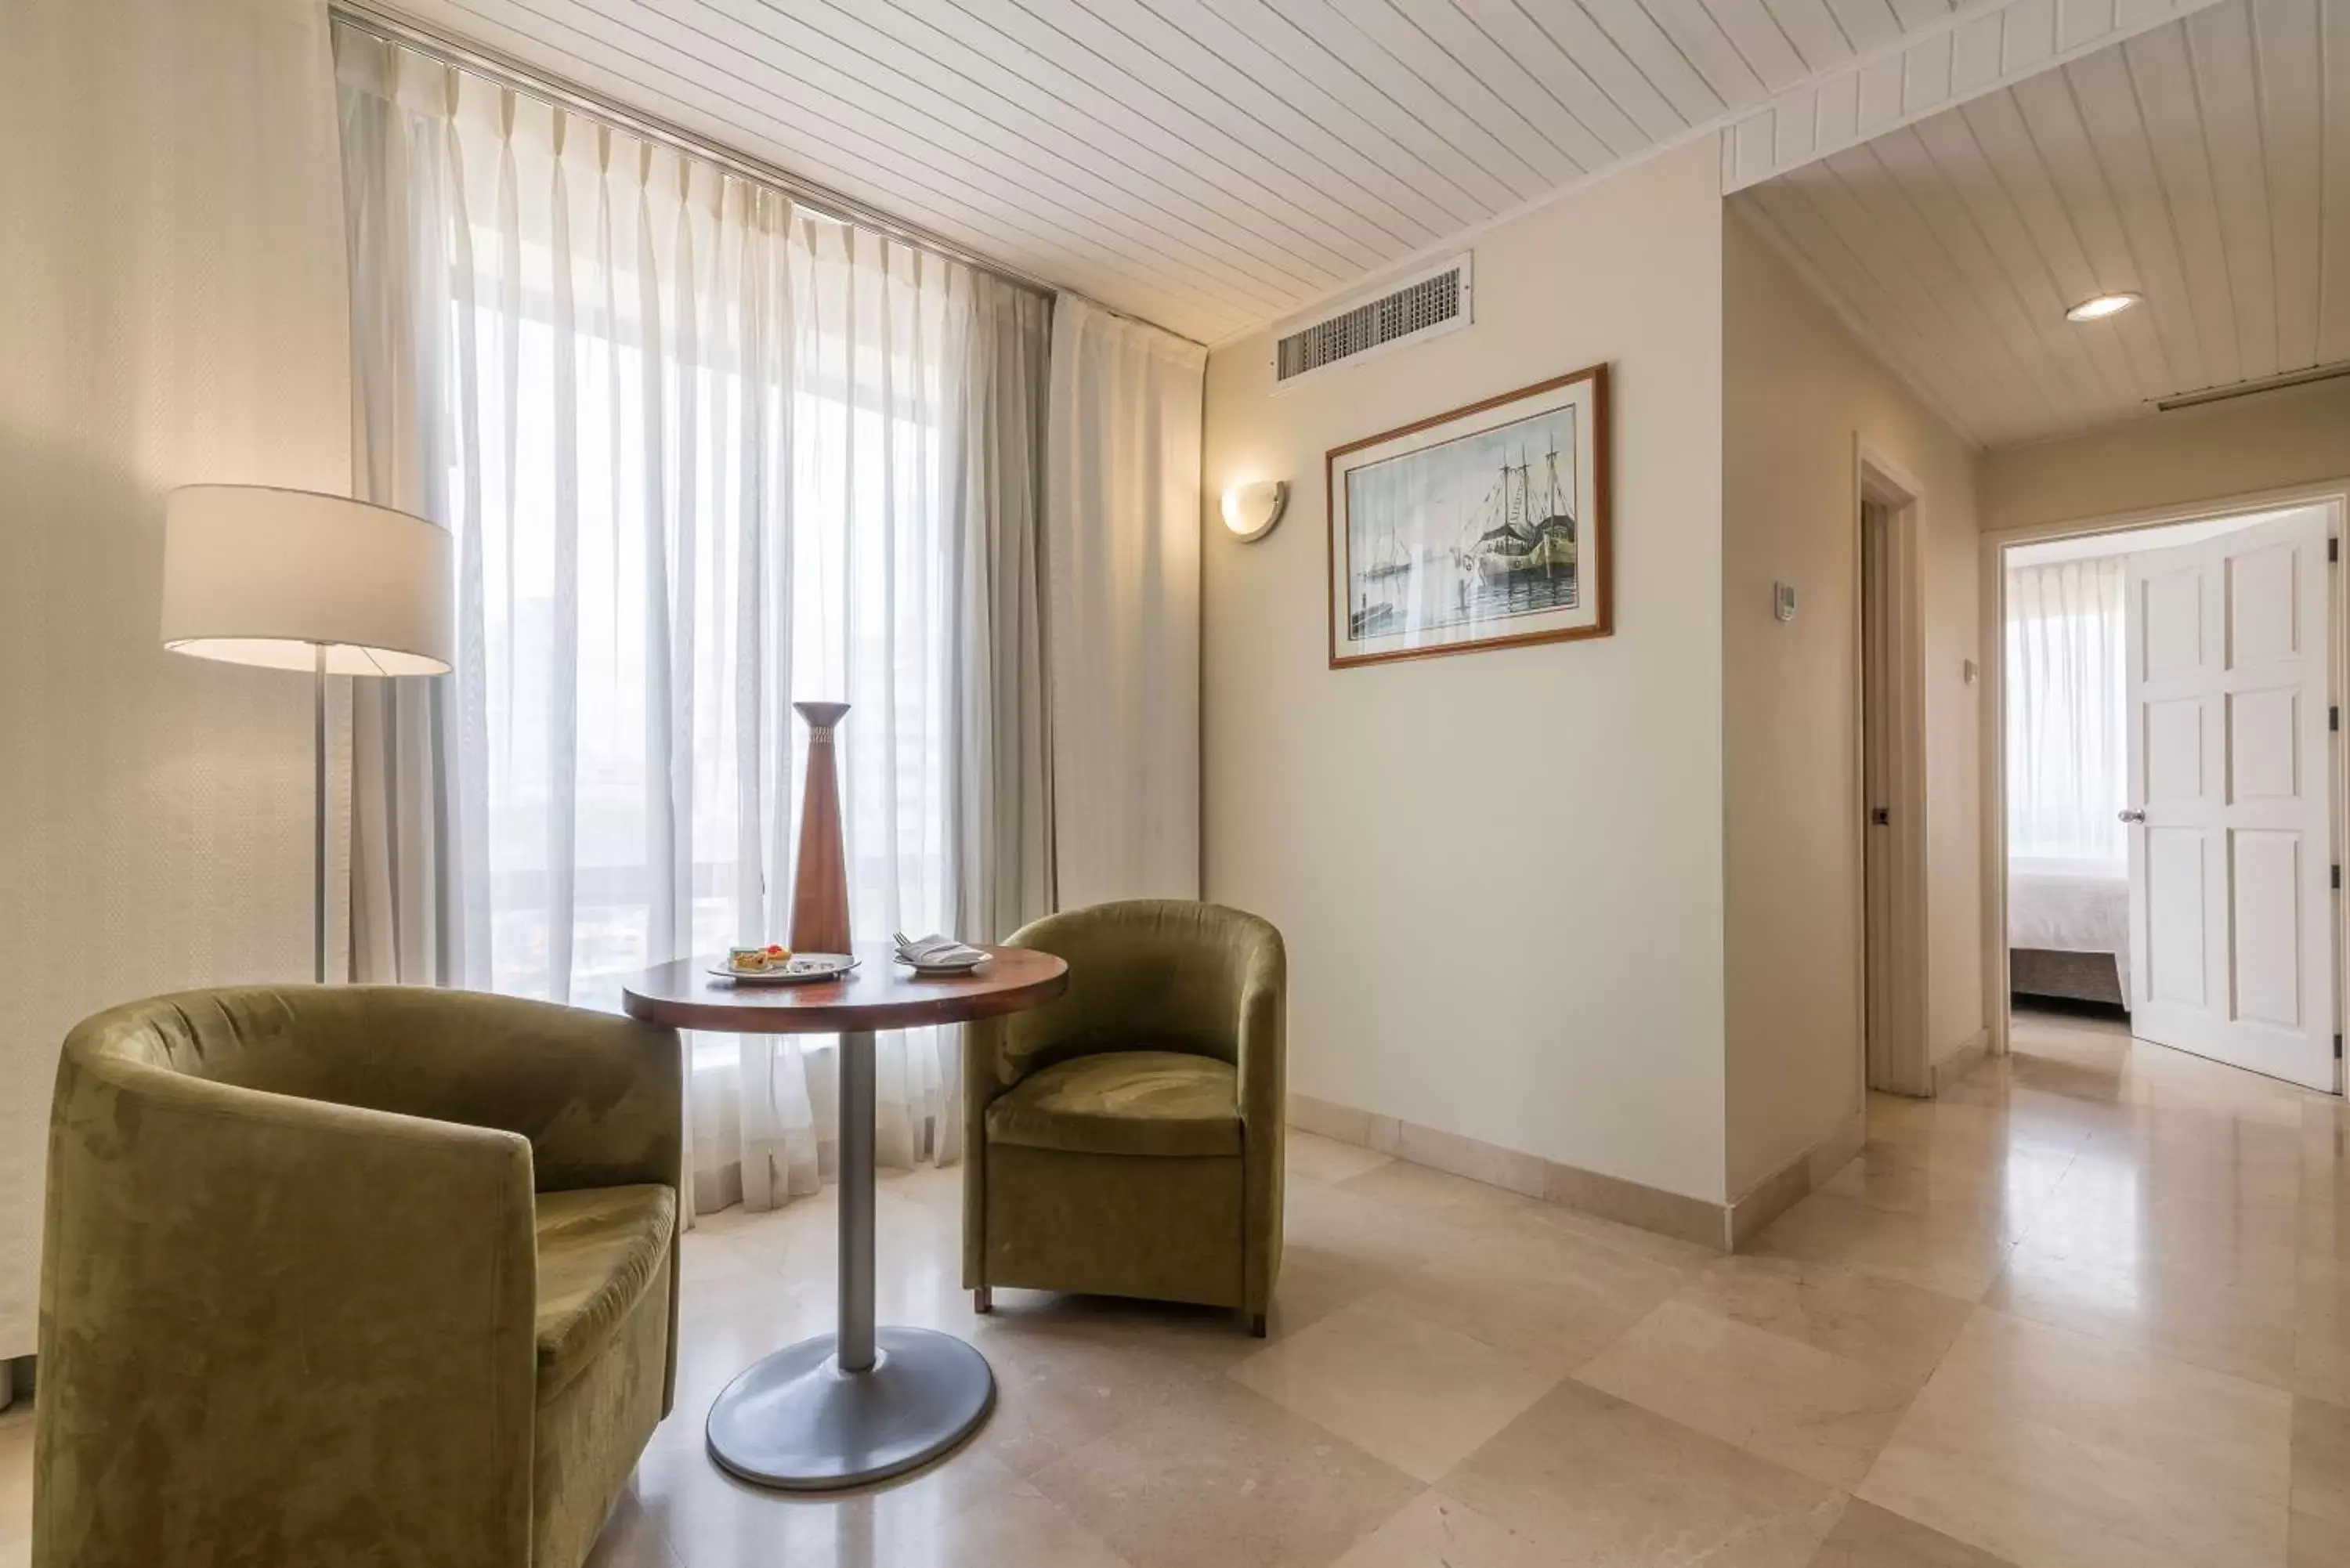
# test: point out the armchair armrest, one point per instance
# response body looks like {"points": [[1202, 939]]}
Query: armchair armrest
{"points": [[1262, 1062], [238, 1284], [600, 1098], [1263, 1068]]}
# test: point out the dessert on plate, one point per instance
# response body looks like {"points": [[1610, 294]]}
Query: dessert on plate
{"points": [[758, 961]]}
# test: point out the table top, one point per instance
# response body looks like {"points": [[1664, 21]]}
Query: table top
{"points": [[879, 993]]}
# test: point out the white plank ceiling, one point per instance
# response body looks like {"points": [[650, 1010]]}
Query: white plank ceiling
{"points": [[2205, 164], [1208, 164]]}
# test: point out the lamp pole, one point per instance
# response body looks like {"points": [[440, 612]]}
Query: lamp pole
{"points": [[319, 839]]}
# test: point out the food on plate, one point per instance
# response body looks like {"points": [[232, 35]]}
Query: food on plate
{"points": [[758, 961]]}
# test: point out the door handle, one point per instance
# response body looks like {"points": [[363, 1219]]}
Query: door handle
{"points": [[2133, 814]]}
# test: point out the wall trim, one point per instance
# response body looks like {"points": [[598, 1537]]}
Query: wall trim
{"points": [[1724, 1226]]}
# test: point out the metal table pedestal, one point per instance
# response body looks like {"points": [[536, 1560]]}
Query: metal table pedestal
{"points": [[859, 1405]]}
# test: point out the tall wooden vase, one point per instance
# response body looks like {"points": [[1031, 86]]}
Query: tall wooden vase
{"points": [[820, 892]]}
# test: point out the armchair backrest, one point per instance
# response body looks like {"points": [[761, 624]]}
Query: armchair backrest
{"points": [[1159, 974], [597, 1096]]}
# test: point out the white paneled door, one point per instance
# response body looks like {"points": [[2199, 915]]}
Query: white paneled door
{"points": [[2231, 842]]}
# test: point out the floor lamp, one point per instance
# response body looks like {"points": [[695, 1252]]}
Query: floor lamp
{"points": [[294, 580]]}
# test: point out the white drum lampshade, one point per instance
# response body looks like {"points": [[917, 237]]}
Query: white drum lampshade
{"points": [[257, 575], [291, 579]]}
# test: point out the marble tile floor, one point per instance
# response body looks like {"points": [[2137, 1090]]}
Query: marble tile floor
{"points": [[2092, 1307]]}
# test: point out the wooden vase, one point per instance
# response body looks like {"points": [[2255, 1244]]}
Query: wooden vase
{"points": [[820, 888]]}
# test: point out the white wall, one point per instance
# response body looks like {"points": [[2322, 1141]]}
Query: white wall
{"points": [[1798, 392], [1499, 873], [171, 304]]}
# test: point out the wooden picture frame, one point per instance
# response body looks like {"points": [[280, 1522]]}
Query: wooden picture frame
{"points": [[1422, 561]]}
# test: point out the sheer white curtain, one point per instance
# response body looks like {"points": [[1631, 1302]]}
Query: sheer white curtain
{"points": [[705, 454], [2066, 721]]}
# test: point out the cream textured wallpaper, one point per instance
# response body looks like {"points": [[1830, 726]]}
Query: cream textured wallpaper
{"points": [[172, 307]]}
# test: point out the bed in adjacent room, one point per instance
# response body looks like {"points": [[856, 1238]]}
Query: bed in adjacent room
{"points": [[2067, 745], [2068, 929]]}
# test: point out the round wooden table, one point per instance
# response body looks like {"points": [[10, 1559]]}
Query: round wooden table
{"points": [[860, 1404]]}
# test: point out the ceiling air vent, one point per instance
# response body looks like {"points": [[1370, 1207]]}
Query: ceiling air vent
{"points": [[1435, 302], [2246, 388]]}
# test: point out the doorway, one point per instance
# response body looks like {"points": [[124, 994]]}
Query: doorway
{"points": [[2168, 813], [1892, 767]]}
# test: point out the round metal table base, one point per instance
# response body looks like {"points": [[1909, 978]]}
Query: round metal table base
{"points": [[795, 1420]]}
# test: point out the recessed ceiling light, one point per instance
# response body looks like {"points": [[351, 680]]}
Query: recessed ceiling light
{"points": [[2097, 306]]}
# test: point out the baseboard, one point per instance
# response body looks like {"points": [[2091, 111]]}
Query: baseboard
{"points": [[1724, 1227], [1957, 1064], [1795, 1181], [1674, 1214]]}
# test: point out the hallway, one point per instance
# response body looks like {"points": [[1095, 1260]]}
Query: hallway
{"points": [[2158, 1246]]}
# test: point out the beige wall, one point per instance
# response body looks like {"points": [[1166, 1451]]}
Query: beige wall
{"points": [[1957, 1011], [2268, 442], [1798, 392], [1499, 873]]}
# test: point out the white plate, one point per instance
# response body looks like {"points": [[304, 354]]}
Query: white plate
{"points": [[818, 967], [939, 968]]}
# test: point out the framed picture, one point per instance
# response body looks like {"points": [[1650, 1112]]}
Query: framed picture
{"points": [[1482, 527]]}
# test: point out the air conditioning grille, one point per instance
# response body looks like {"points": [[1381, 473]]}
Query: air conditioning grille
{"points": [[1423, 305]]}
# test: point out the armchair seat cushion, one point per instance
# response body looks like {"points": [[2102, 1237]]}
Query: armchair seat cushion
{"points": [[598, 1251], [1123, 1102]]}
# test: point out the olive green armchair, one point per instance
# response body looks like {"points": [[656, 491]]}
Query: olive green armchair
{"points": [[358, 1275], [1126, 1138]]}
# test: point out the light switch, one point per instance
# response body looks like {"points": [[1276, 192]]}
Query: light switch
{"points": [[1782, 600]]}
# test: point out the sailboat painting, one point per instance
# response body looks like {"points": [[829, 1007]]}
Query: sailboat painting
{"points": [[1481, 527]]}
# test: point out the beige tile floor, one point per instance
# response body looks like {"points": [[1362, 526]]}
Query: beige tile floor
{"points": [[2092, 1308]]}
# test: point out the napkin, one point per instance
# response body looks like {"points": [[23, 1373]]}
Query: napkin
{"points": [[936, 950]]}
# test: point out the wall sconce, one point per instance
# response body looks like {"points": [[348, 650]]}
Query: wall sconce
{"points": [[1251, 510]]}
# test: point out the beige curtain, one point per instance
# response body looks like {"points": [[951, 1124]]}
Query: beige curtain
{"points": [[407, 924], [1122, 529], [1002, 745]]}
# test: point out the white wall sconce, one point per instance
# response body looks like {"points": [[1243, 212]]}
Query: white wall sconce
{"points": [[1251, 510]]}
